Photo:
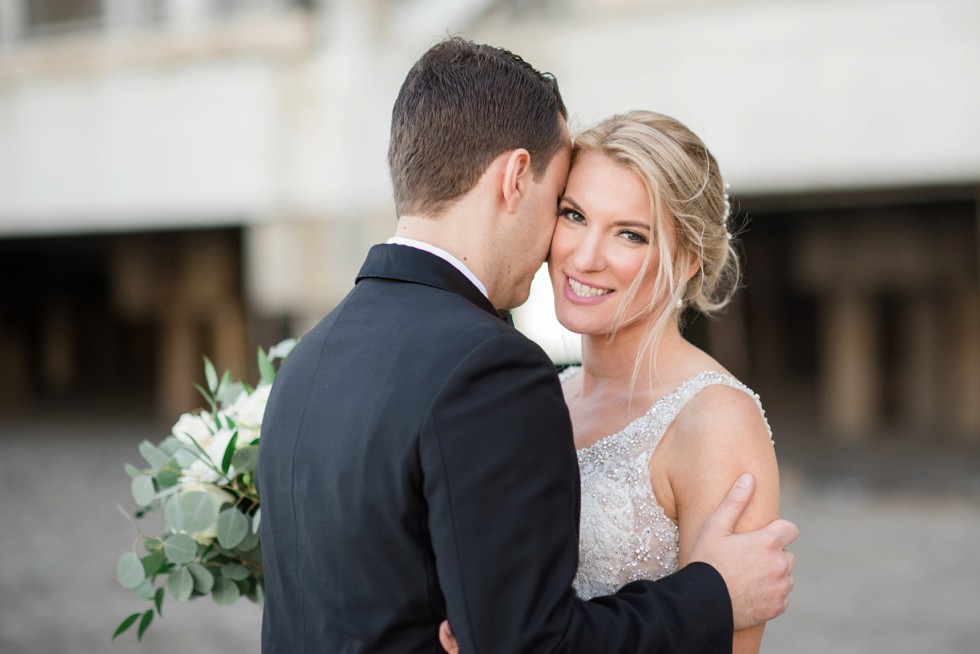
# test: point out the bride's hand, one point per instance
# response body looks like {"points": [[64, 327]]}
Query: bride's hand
{"points": [[447, 639]]}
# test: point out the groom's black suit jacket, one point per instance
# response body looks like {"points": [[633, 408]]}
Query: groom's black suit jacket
{"points": [[417, 462]]}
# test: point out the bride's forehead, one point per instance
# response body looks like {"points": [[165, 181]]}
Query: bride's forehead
{"points": [[597, 180]]}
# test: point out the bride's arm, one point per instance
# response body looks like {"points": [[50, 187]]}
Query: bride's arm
{"points": [[719, 435]]}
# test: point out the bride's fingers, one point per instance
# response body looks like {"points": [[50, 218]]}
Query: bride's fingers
{"points": [[447, 639]]}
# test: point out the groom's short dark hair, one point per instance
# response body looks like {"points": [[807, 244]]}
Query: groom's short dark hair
{"points": [[461, 105]]}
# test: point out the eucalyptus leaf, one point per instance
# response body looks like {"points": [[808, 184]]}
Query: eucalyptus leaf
{"points": [[225, 591], [170, 445], [126, 624], [180, 549], [171, 511], [248, 543], [132, 470], [144, 591], [195, 512], [245, 459], [129, 570], [181, 584], [144, 623], [232, 527], [203, 579], [256, 517], [143, 490], [235, 572], [153, 455], [186, 457], [169, 475], [153, 563], [211, 375]]}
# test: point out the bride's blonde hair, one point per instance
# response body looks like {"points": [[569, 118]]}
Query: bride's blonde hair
{"points": [[685, 187]]}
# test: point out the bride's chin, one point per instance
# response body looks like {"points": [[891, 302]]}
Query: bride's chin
{"points": [[578, 328]]}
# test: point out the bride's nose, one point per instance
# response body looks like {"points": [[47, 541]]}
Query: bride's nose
{"points": [[588, 255]]}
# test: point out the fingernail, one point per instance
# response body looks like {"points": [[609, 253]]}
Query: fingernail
{"points": [[744, 481]]}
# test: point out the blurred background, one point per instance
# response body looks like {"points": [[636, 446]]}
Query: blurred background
{"points": [[188, 177]]}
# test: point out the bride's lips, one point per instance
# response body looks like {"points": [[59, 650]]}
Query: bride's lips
{"points": [[586, 293]]}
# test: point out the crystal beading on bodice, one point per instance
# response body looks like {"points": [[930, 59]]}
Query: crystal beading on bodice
{"points": [[624, 533]]}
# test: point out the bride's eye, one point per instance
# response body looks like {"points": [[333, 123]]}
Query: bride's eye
{"points": [[572, 215], [634, 237]]}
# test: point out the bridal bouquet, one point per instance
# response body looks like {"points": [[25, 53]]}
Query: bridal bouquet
{"points": [[200, 483]]}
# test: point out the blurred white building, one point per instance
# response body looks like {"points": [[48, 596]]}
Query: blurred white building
{"points": [[188, 176]]}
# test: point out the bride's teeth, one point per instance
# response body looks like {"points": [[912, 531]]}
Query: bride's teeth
{"points": [[584, 290]]}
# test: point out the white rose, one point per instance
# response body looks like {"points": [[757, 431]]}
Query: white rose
{"points": [[198, 473], [202, 471], [247, 413], [196, 426]]}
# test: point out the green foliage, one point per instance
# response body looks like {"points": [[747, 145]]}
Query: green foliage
{"points": [[246, 459], [210, 375], [203, 579], [235, 572], [180, 549], [144, 624], [153, 455], [229, 453], [266, 370], [158, 601], [154, 563], [142, 487], [225, 591], [201, 480], [181, 584], [195, 512], [126, 624], [232, 527], [129, 571]]}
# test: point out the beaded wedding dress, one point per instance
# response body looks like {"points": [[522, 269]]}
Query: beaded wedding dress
{"points": [[624, 533]]}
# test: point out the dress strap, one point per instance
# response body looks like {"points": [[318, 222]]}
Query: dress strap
{"points": [[702, 380]]}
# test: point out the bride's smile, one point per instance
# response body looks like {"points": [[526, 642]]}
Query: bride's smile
{"points": [[580, 291]]}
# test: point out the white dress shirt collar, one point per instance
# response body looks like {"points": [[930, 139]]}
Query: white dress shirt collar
{"points": [[442, 254]]}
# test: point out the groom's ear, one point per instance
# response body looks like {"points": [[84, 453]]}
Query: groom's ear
{"points": [[517, 176]]}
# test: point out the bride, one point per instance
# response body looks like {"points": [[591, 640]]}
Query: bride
{"points": [[661, 428]]}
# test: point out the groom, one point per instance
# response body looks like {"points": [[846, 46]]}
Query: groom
{"points": [[416, 459]]}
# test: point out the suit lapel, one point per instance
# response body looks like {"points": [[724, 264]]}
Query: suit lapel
{"points": [[408, 264]]}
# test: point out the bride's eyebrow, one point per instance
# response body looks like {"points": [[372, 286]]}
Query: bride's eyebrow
{"points": [[569, 201], [632, 224]]}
